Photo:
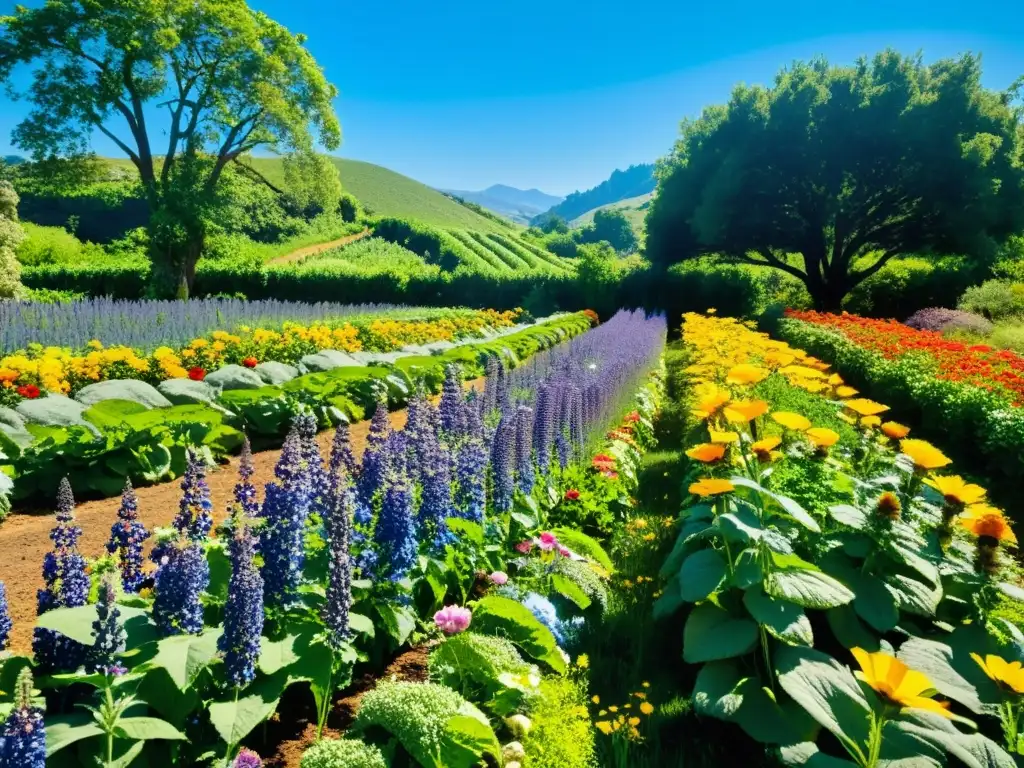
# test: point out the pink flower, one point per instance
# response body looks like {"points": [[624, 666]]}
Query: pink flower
{"points": [[524, 547], [452, 619], [547, 541], [564, 551], [499, 577]]}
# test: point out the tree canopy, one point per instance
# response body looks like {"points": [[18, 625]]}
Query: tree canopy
{"points": [[611, 226], [832, 171], [226, 80], [11, 236]]}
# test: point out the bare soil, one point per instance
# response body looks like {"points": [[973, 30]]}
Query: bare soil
{"points": [[311, 250]]}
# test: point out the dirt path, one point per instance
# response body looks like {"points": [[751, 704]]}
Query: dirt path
{"points": [[311, 250]]}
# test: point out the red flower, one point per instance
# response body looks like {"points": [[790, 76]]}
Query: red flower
{"points": [[592, 316], [604, 463], [196, 374], [572, 494], [633, 417], [28, 391], [250, 362]]}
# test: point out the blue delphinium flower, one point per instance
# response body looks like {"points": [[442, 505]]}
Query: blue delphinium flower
{"points": [[195, 512], [565, 632], [436, 504], [375, 460], [127, 536], [243, 612], [5, 619], [341, 452], [492, 371], [338, 531], [23, 742], [66, 586], [452, 408], [471, 480], [395, 533], [316, 483], [182, 577], [525, 476], [107, 631], [245, 491], [284, 514], [503, 462], [544, 423]]}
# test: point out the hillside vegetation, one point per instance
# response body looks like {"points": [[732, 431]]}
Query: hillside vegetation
{"points": [[621, 185], [633, 208]]}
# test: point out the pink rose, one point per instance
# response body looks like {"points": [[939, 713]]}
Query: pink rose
{"points": [[499, 578], [548, 541], [452, 619], [524, 547]]}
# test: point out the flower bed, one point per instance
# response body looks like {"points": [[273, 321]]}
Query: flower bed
{"points": [[819, 534], [441, 531]]}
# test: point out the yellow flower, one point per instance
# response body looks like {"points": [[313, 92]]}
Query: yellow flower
{"points": [[645, 684], [604, 727], [723, 437], [711, 486], [865, 407], [924, 455], [870, 421], [955, 491], [894, 430], [742, 411], [710, 402], [613, 709], [823, 437], [746, 373], [583, 661], [895, 681], [649, 537], [792, 420], [711, 310], [765, 449], [983, 520], [596, 699], [845, 391], [647, 708], [1007, 674], [707, 452], [634, 721]]}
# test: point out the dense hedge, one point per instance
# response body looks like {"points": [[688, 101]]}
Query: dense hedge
{"points": [[980, 429]]}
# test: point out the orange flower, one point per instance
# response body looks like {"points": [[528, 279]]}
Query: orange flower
{"points": [[924, 455], [707, 452], [723, 437], [711, 486], [983, 520], [955, 491], [823, 437], [866, 407], [895, 681], [765, 449], [792, 420], [894, 430], [710, 402], [745, 410], [746, 374]]}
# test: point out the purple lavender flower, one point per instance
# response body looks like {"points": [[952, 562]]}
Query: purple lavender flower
{"points": [[66, 586], [942, 320], [23, 742], [107, 632], [127, 536], [375, 458], [524, 449], [503, 462], [5, 619], [492, 371], [548, 398], [452, 407], [243, 612], [436, 504], [395, 533], [284, 514], [471, 480], [338, 531], [182, 577], [245, 491], [195, 513], [342, 457], [246, 758]]}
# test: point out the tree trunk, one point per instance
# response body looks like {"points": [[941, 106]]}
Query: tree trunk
{"points": [[174, 250], [828, 296]]}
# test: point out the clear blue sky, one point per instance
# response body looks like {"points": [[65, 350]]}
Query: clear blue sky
{"points": [[555, 95]]}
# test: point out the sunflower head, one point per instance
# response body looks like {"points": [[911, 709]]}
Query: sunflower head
{"points": [[987, 522], [1008, 675], [707, 452], [888, 505], [924, 455], [895, 682], [711, 486]]}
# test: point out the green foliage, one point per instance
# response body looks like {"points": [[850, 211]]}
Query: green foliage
{"points": [[613, 227], [473, 664], [632, 182], [372, 256], [994, 299], [55, 245], [797, 170], [505, 617], [342, 753], [11, 237], [562, 735], [905, 285]]}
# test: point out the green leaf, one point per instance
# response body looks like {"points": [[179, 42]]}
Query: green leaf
{"points": [[955, 676], [276, 655], [714, 690], [702, 573], [711, 634], [185, 656], [361, 624], [128, 757], [768, 721], [806, 755], [220, 571], [570, 590], [399, 621], [914, 596], [163, 695], [64, 730], [76, 623], [234, 719], [809, 588], [782, 619], [849, 516], [669, 602], [873, 602], [741, 524], [584, 545], [849, 630], [507, 618], [466, 741], [144, 728], [826, 689], [466, 529], [972, 750], [786, 504]]}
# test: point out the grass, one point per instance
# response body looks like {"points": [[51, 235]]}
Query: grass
{"points": [[635, 209]]}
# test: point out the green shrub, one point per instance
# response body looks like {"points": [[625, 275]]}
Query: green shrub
{"points": [[906, 285], [1008, 336], [562, 735], [472, 664], [54, 245], [994, 299], [342, 753]]}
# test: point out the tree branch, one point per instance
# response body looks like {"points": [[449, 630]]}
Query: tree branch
{"points": [[863, 274], [257, 176], [121, 145]]}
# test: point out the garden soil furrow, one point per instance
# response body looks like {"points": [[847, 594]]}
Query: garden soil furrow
{"points": [[312, 250], [25, 538]]}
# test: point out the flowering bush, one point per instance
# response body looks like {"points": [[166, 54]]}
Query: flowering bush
{"points": [[941, 320]]}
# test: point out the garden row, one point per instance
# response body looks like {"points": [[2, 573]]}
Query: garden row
{"points": [[445, 533], [818, 535], [966, 395], [125, 427]]}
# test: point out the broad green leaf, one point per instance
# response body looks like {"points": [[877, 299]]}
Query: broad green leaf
{"points": [[669, 602], [811, 589], [806, 755], [972, 750], [767, 720], [163, 695], [144, 728], [786, 504], [711, 633], [702, 573], [361, 624], [126, 759], [76, 623], [234, 719], [849, 516], [220, 571], [399, 621], [276, 655], [914, 596], [741, 524], [873, 601], [570, 590], [936, 661], [466, 740], [584, 545], [507, 618], [466, 529], [849, 630], [714, 690], [826, 689], [782, 619], [64, 730], [185, 656]]}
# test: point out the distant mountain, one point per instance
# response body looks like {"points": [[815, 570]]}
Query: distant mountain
{"points": [[635, 181], [520, 205]]}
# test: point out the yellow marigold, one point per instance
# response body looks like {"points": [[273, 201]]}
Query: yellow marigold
{"points": [[711, 486], [1006, 674], [823, 437], [199, 343], [984, 520], [604, 727], [765, 449], [956, 491], [778, 359], [647, 708], [845, 391], [896, 682], [865, 407], [707, 452], [634, 721], [924, 455], [894, 430], [746, 373], [792, 420], [741, 411], [710, 402], [870, 421]]}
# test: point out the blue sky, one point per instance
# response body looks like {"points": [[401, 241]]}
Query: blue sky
{"points": [[555, 95]]}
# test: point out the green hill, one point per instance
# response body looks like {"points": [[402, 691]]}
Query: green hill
{"points": [[635, 209]]}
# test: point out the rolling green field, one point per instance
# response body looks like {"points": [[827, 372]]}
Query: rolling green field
{"points": [[635, 209]]}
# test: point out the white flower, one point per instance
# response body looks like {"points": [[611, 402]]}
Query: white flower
{"points": [[520, 725], [513, 751]]}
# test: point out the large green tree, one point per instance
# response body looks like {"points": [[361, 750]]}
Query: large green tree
{"points": [[833, 171], [218, 78], [611, 226]]}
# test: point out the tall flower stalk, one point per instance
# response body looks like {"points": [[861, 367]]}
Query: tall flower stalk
{"points": [[107, 630], [180, 580], [285, 505], [243, 612], [23, 742], [245, 491], [195, 512], [127, 536]]}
